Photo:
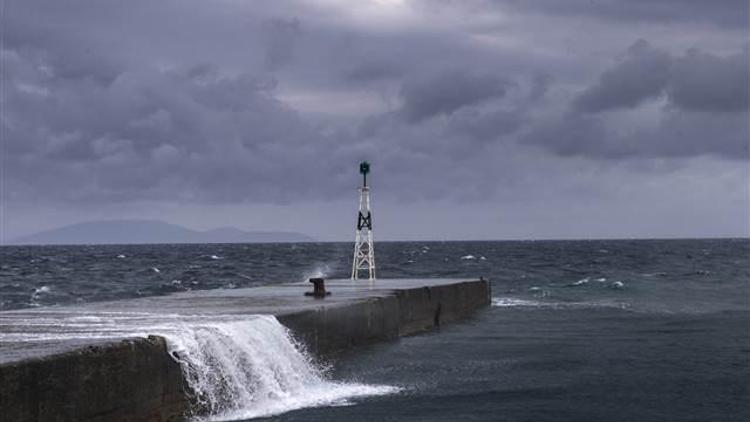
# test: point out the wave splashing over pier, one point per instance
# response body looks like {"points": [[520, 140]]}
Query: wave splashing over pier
{"points": [[243, 370], [238, 367]]}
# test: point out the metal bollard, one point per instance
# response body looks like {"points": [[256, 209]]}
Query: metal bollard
{"points": [[319, 288]]}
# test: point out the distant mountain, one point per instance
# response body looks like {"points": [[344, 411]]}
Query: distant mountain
{"points": [[151, 231]]}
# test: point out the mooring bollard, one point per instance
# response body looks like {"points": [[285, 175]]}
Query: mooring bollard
{"points": [[319, 288]]}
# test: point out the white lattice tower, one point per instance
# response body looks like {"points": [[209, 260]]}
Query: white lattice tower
{"points": [[364, 252]]}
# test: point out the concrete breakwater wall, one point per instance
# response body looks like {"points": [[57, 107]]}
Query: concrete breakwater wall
{"points": [[137, 379], [131, 380], [327, 330]]}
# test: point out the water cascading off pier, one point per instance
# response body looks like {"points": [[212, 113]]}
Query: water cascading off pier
{"points": [[236, 367]]}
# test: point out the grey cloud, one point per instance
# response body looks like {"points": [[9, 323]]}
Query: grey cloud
{"points": [[677, 134], [447, 92], [70, 59], [706, 112], [573, 134], [703, 82], [696, 81], [281, 35], [485, 125], [540, 84], [373, 71], [179, 133], [732, 13], [641, 76], [163, 102], [692, 133]]}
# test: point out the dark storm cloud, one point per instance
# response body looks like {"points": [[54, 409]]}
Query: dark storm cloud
{"points": [[195, 100], [697, 81], [191, 133], [732, 13], [642, 75], [447, 92], [692, 133], [678, 134], [705, 82], [705, 113]]}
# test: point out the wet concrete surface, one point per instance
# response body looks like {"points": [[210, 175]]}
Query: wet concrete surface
{"points": [[17, 328]]}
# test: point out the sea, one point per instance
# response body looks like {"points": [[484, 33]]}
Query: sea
{"points": [[599, 330]]}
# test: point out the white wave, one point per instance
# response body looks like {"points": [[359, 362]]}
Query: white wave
{"points": [[38, 292], [215, 257], [156, 270], [121, 256], [580, 282], [539, 292], [510, 302], [657, 274], [468, 257], [238, 367], [617, 285]]}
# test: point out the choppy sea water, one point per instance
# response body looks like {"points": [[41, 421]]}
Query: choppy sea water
{"points": [[578, 330]]}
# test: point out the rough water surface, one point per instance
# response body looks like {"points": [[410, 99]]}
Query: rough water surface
{"points": [[579, 330]]}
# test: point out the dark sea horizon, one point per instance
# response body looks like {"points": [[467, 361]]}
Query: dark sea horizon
{"points": [[615, 330]]}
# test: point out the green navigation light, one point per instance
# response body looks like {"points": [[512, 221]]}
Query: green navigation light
{"points": [[364, 168]]}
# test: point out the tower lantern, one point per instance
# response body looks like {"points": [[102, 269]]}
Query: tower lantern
{"points": [[364, 168], [364, 253]]}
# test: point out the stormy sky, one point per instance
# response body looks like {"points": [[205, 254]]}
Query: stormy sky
{"points": [[505, 119]]}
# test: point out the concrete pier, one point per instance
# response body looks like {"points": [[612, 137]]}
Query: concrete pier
{"points": [[135, 379]]}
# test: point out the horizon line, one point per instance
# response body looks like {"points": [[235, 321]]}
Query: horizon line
{"points": [[552, 239]]}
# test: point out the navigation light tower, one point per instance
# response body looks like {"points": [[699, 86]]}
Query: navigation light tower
{"points": [[364, 254]]}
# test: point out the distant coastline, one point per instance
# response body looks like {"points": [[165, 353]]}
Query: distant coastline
{"points": [[110, 232]]}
